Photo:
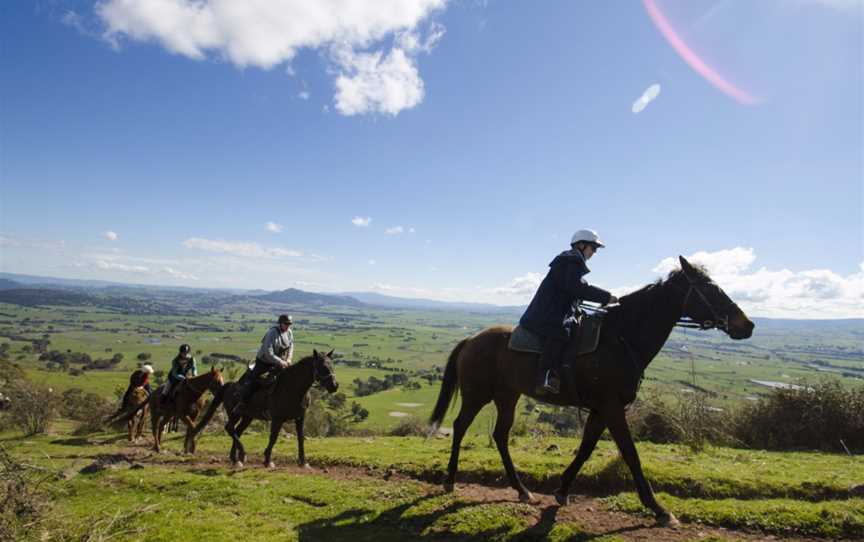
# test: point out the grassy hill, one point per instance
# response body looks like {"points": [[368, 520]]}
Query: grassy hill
{"points": [[385, 488]]}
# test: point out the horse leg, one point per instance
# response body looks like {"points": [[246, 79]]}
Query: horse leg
{"points": [[301, 442], [590, 435], [463, 421], [506, 412], [229, 428], [154, 425], [275, 427], [189, 441], [130, 425], [621, 433]]}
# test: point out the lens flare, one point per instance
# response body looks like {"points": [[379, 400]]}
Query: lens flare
{"points": [[692, 59]]}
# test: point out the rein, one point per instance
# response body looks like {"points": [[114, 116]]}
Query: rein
{"points": [[715, 322]]}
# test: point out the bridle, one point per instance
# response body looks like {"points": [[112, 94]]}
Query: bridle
{"points": [[717, 320], [316, 373]]}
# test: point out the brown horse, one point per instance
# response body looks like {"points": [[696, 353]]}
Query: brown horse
{"points": [[133, 414], [188, 402], [605, 381], [288, 400]]}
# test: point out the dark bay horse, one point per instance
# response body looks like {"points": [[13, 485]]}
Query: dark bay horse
{"points": [[605, 381], [188, 402], [288, 400]]}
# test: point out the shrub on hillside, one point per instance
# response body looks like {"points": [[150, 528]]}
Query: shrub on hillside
{"points": [[410, 426], [687, 420], [22, 496], [88, 408], [32, 406], [816, 417]]}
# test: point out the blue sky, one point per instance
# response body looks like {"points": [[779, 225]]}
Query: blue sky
{"points": [[152, 141]]}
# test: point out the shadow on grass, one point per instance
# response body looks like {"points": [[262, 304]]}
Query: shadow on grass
{"points": [[401, 522]]}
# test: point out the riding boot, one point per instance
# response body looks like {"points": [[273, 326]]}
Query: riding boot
{"points": [[548, 381]]}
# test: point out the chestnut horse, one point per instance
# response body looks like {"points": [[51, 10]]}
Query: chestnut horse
{"points": [[188, 402], [604, 381]]}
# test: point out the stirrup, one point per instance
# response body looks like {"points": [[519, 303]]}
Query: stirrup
{"points": [[551, 383]]}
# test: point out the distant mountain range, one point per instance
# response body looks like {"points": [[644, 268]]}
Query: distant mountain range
{"points": [[35, 290]]}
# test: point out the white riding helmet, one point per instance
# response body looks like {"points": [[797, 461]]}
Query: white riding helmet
{"points": [[147, 369], [586, 236]]}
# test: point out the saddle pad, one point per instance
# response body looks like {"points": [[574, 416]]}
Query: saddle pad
{"points": [[522, 340], [589, 334], [587, 337]]}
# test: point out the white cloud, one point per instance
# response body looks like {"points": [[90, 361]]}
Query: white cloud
{"points": [[267, 33], [377, 83], [115, 266], [241, 248], [395, 230], [361, 221], [273, 227], [808, 294], [849, 6], [521, 288], [110, 235], [647, 97], [303, 94], [178, 274]]}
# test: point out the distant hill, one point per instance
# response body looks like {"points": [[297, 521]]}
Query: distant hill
{"points": [[6, 284], [380, 300], [295, 296]]}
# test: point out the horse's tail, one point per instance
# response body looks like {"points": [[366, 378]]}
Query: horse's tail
{"points": [[448, 387], [211, 410], [124, 415]]}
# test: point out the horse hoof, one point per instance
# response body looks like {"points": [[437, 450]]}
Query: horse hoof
{"points": [[306, 466], [560, 497], [238, 464], [271, 465], [527, 497], [669, 520], [449, 487]]}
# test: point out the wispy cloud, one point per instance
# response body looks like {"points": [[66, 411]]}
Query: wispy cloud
{"points": [[361, 221], [303, 94], [178, 274], [115, 266], [110, 235], [395, 230], [273, 227], [240, 248], [265, 34], [647, 97]]}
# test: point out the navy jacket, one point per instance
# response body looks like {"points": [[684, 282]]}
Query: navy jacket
{"points": [[554, 305]]}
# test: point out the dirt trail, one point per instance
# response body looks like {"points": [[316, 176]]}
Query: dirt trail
{"points": [[588, 512]]}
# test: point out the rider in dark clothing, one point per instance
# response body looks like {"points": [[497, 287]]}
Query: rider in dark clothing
{"points": [[182, 366], [552, 313]]}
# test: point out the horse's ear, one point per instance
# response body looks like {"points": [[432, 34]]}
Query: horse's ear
{"points": [[330, 353], [686, 267], [315, 352], [213, 369]]}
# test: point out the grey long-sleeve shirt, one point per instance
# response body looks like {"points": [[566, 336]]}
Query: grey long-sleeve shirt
{"points": [[276, 346]]}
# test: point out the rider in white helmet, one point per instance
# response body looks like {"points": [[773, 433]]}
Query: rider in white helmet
{"points": [[552, 312]]}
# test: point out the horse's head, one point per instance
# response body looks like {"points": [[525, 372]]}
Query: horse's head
{"points": [[322, 370], [707, 304], [216, 380]]}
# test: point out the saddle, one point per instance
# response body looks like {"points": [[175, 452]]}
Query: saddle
{"points": [[586, 335]]}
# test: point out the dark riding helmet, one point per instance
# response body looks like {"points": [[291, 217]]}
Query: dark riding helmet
{"points": [[185, 349], [285, 319]]}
